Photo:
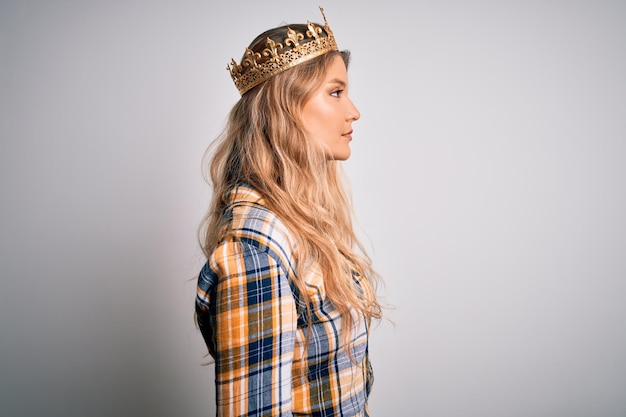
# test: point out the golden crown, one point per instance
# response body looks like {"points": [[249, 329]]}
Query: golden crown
{"points": [[257, 67]]}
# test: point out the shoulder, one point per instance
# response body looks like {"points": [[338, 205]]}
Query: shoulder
{"points": [[255, 240], [253, 223]]}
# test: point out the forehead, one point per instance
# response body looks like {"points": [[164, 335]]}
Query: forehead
{"points": [[336, 71]]}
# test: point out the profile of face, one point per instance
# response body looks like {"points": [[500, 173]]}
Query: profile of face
{"points": [[328, 113]]}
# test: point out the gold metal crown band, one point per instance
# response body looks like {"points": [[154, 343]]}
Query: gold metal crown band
{"points": [[258, 67]]}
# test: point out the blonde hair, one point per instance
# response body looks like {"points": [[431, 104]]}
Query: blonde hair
{"points": [[264, 146]]}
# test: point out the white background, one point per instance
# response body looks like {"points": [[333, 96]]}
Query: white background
{"points": [[488, 174]]}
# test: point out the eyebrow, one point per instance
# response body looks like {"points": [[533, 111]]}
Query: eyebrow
{"points": [[337, 81]]}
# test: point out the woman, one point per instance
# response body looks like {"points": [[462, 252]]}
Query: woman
{"points": [[287, 295]]}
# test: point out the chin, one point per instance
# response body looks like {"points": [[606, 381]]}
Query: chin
{"points": [[341, 155]]}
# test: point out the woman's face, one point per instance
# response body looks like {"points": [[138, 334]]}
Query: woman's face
{"points": [[328, 113]]}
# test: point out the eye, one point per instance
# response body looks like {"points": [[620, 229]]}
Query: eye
{"points": [[336, 93]]}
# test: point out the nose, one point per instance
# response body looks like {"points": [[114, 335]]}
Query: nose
{"points": [[353, 112]]}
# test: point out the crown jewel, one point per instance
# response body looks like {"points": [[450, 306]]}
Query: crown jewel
{"points": [[257, 67]]}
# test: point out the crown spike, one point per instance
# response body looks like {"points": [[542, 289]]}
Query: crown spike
{"points": [[272, 50], [326, 27], [293, 38], [324, 16], [314, 31]]}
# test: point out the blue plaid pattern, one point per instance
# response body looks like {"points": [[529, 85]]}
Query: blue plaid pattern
{"points": [[255, 326]]}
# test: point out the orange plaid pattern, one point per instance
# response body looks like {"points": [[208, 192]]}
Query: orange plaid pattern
{"points": [[255, 326]]}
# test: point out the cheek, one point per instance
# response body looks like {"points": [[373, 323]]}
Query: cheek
{"points": [[318, 121], [311, 117]]}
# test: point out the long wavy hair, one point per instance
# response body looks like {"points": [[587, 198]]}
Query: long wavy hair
{"points": [[264, 145]]}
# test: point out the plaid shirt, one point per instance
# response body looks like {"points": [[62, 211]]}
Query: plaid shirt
{"points": [[255, 326]]}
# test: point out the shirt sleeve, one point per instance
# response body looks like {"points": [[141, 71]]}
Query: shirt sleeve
{"points": [[255, 327]]}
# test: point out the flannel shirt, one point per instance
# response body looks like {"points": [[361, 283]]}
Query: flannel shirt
{"points": [[255, 325]]}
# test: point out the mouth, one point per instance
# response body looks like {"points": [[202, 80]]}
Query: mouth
{"points": [[348, 135]]}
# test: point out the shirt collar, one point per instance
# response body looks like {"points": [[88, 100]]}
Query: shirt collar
{"points": [[243, 193]]}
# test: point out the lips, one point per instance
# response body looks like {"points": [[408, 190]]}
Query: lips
{"points": [[348, 135]]}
